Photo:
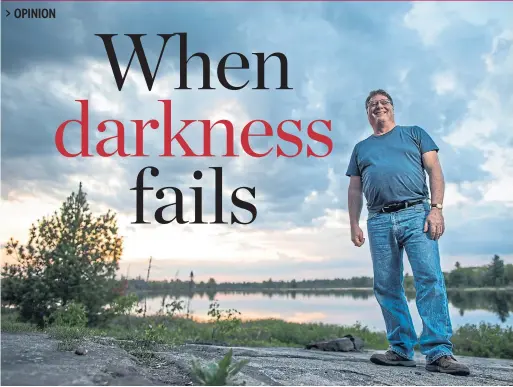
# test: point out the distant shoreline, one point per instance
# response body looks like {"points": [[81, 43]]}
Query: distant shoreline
{"points": [[313, 290]]}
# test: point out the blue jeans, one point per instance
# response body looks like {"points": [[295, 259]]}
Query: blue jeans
{"points": [[390, 234]]}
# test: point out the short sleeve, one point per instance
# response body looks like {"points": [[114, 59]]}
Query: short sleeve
{"points": [[352, 169], [426, 143]]}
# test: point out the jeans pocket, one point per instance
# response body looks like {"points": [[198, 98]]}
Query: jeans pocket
{"points": [[371, 216]]}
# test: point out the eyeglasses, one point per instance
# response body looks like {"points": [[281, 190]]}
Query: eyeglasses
{"points": [[384, 102]]}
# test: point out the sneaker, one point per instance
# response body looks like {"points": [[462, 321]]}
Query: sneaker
{"points": [[448, 365], [390, 358]]}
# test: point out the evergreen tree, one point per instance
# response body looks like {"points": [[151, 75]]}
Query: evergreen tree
{"points": [[211, 283], [70, 256], [457, 277], [496, 271], [508, 274]]}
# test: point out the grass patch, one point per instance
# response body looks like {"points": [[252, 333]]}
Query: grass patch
{"points": [[69, 337], [10, 323], [141, 336]]}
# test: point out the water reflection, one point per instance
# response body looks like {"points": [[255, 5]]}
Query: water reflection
{"points": [[339, 306]]}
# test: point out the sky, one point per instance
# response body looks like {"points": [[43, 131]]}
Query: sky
{"points": [[448, 67]]}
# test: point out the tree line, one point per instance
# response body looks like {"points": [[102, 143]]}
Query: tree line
{"points": [[492, 275]]}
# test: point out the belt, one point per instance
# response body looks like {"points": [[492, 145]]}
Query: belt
{"points": [[399, 206]]}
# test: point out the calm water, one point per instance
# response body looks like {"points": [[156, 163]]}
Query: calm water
{"points": [[344, 307]]}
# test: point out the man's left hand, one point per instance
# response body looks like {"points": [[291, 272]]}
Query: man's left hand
{"points": [[435, 224]]}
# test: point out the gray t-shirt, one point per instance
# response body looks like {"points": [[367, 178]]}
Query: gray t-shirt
{"points": [[391, 166]]}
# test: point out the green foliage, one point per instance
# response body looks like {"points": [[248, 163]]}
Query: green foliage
{"points": [[11, 322], [222, 373], [496, 274], [225, 322], [280, 333], [458, 277], [155, 334], [484, 340], [123, 305], [173, 307], [408, 282], [72, 315], [70, 256], [472, 340], [69, 337]]}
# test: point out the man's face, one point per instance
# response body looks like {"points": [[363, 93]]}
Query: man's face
{"points": [[380, 109]]}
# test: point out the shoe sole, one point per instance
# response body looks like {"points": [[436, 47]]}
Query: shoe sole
{"points": [[405, 363], [433, 368]]}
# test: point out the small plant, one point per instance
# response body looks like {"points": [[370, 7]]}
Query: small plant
{"points": [[124, 305], [222, 373], [225, 322], [71, 315], [154, 335], [173, 307], [68, 337]]}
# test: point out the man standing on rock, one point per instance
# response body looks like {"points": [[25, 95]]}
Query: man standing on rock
{"points": [[389, 168]]}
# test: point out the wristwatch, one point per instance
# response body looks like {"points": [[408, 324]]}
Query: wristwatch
{"points": [[437, 205]]}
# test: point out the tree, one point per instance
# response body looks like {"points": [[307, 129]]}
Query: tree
{"points": [[457, 277], [508, 274], [70, 256], [408, 281], [496, 271], [211, 283]]}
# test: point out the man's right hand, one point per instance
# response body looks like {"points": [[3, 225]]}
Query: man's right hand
{"points": [[357, 236]]}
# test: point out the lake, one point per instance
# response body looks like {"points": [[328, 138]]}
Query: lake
{"points": [[343, 307]]}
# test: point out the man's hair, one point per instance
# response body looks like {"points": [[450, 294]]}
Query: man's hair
{"points": [[378, 92]]}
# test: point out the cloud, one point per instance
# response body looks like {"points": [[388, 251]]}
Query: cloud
{"points": [[448, 68], [444, 82]]}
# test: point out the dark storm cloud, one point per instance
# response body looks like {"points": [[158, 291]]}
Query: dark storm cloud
{"points": [[70, 36], [337, 53]]}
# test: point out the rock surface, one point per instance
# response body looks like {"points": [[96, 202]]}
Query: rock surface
{"points": [[34, 359]]}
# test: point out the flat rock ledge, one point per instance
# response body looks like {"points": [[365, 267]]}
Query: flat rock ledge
{"points": [[34, 359]]}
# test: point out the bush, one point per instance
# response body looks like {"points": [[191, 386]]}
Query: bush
{"points": [[71, 256], [484, 340], [70, 315]]}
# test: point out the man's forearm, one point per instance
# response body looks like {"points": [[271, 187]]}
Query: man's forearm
{"points": [[437, 185], [355, 203]]}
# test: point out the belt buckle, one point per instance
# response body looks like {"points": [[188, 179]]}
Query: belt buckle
{"points": [[385, 208]]}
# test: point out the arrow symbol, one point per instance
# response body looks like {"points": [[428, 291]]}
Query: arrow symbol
{"points": [[8, 13]]}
